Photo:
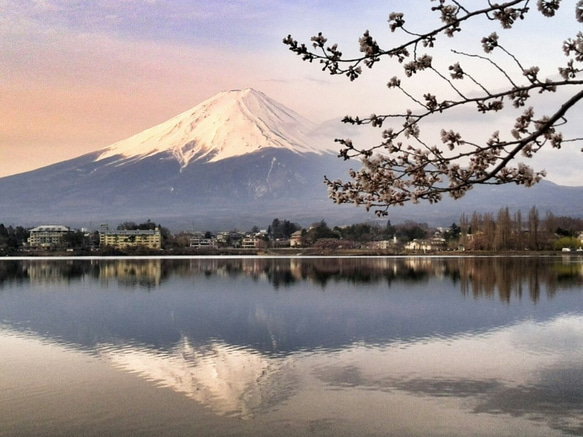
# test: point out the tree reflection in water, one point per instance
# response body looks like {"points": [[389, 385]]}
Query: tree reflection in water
{"points": [[504, 277]]}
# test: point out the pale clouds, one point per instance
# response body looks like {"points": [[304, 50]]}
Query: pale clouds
{"points": [[234, 22]]}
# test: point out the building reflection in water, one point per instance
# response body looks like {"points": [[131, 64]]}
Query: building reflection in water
{"points": [[505, 277]]}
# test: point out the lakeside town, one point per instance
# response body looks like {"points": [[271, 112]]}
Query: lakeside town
{"points": [[475, 233]]}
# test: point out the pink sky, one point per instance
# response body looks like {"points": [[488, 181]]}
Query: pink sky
{"points": [[78, 76]]}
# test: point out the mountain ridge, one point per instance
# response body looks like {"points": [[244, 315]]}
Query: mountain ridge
{"points": [[267, 162]]}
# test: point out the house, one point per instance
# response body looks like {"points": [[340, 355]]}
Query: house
{"points": [[295, 239], [432, 245], [199, 241], [382, 244], [419, 245], [224, 238], [250, 242], [47, 235], [124, 238], [438, 243]]}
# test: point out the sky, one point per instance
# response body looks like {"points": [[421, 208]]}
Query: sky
{"points": [[78, 75]]}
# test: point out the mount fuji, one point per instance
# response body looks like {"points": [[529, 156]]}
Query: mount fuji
{"points": [[238, 159]]}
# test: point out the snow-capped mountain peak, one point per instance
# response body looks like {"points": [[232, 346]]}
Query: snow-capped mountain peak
{"points": [[232, 123]]}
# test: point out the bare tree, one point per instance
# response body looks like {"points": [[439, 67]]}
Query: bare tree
{"points": [[404, 166], [503, 230], [533, 229]]}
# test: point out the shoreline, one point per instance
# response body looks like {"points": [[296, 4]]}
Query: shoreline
{"points": [[275, 253]]}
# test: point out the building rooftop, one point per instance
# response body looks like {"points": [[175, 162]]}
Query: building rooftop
{"points": [[131, 232], [50, 228]]}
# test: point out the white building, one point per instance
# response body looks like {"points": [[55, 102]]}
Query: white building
{"points": [[47, 235]]}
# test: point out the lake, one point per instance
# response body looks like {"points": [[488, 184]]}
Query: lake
{"points": [[412, 346]]}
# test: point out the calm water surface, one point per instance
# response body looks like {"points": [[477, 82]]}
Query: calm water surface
{"points": [[324, 347]]}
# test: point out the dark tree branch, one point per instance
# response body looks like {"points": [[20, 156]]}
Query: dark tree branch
{"points": [[404, 167]]}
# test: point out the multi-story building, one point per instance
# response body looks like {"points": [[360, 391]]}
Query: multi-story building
{"points": [[254, 240], [47, 235], [249, 242], [200, 242], [123, 238]]}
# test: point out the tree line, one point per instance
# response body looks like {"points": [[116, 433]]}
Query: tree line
{"points": [[495, 232], [11, 238], [515, 231]]}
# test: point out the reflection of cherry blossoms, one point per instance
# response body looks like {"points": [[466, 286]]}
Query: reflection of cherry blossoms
{"points": [[229, 380]]}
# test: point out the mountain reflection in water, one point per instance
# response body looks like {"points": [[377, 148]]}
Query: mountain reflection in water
{"points": [[231, 381], [461, 340]]}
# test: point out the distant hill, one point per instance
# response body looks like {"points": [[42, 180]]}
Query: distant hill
{"points": [[236, 160]]}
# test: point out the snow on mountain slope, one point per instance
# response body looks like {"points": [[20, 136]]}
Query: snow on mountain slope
{"points": [[232, 123]]}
